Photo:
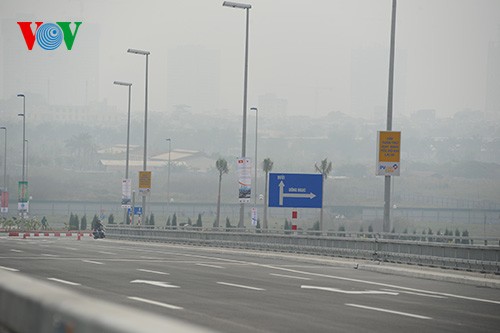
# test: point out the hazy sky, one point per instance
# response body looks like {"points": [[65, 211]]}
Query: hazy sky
{"points": [[299, 50]]}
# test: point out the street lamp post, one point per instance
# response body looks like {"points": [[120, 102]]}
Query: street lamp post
{"points": [[27, 157], [168, 172], [129, 85], [5, 160], [245, 86], [387, 184], [255, 163], [146, 53], [24, 130]]}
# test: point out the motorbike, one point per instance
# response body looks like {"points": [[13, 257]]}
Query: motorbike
{"points": [[99, 233]]}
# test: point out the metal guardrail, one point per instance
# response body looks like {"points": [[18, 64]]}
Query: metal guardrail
{"points": [[447, 255]]}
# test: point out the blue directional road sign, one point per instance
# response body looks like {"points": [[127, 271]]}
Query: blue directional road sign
{"points": [[296, 190], [137, 210]]}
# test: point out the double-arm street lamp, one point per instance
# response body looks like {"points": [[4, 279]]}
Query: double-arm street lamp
{"points": [[24, 131], [245, 80], [129, 85], [145, 53]]}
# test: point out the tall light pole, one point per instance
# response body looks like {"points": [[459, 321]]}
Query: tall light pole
{"points": [[27, 157], [145, 53], [129, 85], [387, 187], [24, 130], [168, 172], [255, 163], [245, 81], [5, 160]]}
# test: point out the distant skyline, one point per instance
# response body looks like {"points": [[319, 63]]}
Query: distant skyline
{"points": [[299, 52]]}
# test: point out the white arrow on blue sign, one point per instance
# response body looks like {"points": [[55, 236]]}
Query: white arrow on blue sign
{"points": [[295, 190]]}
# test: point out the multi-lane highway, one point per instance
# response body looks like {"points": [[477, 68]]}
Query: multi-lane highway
{"points": [[242, 291]]}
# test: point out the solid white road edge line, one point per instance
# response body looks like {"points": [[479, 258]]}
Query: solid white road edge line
{"points": [[154, 272], [290, 276], [388, 311], [164, 305], [9, 269], [351, 292], [64, 281], [239, 286], [380, 284]]}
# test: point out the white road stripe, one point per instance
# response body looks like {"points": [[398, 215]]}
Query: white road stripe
{"points": [[156, 283], [48, 255], [290, 276], [414, 293], [93, 262], [65, 282], [379, 284], [239, 286], [70, 248], [104, 252], [351, 292], [207, 265], [18, 251], [9, 269], [154, 272], [150, 258], [388, 311], [164, 305]]}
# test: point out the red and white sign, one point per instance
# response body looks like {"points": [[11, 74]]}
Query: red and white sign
{"points": [[5, 202]]}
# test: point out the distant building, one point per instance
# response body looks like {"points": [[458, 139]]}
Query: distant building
{"points": [[189, 159], [193, 78]]}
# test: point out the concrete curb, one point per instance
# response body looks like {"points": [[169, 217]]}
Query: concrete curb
{"points": [[486, 280]]}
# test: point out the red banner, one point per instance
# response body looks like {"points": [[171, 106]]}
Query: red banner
{"points": [[5, 202]]}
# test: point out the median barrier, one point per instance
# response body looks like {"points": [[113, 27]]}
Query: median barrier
{"points": [[28, 305], [448, 255]]}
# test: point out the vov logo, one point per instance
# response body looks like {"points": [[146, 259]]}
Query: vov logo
{"points": [[49, 35]]}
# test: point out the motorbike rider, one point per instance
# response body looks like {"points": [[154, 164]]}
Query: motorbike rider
{"points": [[98, 229]]}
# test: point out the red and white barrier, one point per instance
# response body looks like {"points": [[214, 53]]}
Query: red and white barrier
{"points": [[27, 234]]}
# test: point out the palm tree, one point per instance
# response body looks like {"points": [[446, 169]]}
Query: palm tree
{"points": [[267, 166], [221, 166], [324, 169]]}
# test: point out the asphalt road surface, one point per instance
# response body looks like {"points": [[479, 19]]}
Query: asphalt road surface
{"points": [[244, 291]]}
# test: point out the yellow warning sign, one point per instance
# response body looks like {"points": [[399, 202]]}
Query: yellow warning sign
{"points": [[389, 146], [144, 182]]}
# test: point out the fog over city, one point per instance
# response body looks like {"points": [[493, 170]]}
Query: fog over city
{"points": [[303, 52], [318, 74]]}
